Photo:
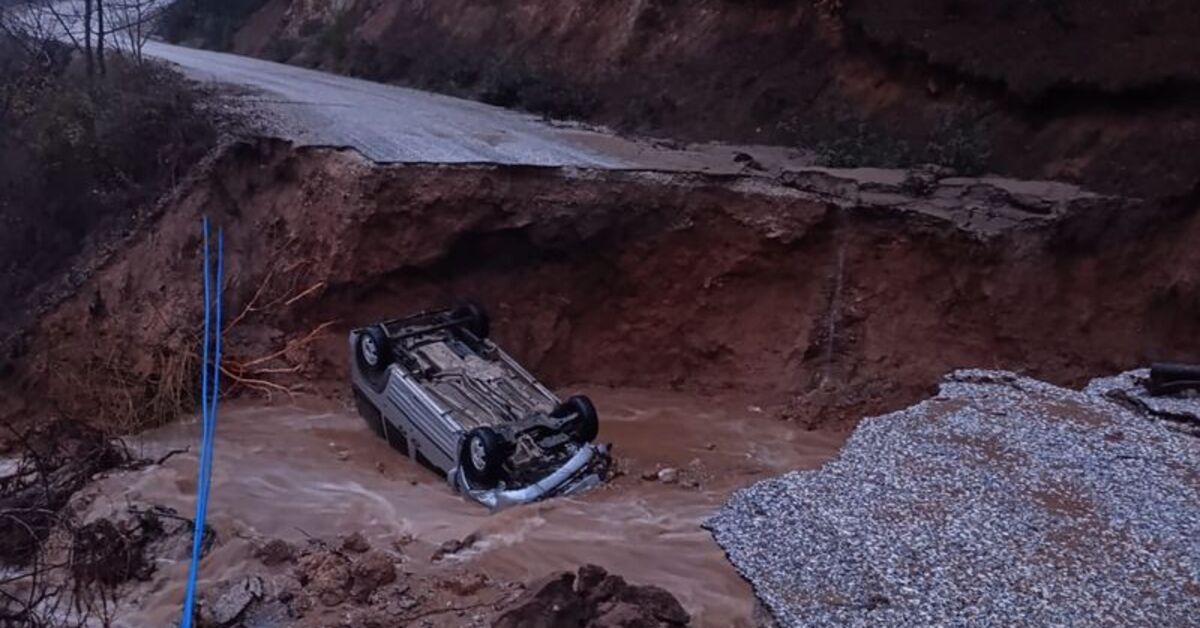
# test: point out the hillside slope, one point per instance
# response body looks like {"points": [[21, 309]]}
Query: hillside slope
{"points": [[1102, 93]]}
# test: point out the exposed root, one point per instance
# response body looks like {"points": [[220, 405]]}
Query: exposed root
{"points": [[284, 296], [256, 373], [279, 289], [63, 571]]}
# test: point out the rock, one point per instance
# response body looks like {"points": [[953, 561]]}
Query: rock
{"points": [[593, 599], [549, 603], [276, 552], [466, 584], [668, 475], [326, 576], [748, 161], [355, 543], [650, 475], [655, 602], [231, 601], [454, 546], [649, 605], [373, 570]]}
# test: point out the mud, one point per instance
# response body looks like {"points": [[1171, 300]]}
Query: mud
{"points": [[291, 473]]}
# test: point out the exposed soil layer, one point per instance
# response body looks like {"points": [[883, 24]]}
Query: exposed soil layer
{"points": [[829, 294], [1103, 93]]}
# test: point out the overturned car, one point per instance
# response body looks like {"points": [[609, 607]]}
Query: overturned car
{"points": [[436, 388]]}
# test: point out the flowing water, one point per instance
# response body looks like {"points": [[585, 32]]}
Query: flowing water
{"points": [[311, 468]]}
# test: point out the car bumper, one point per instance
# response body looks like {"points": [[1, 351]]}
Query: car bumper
{"points": [[583, 471]]}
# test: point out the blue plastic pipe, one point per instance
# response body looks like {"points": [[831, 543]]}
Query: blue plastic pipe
{"points": [[208, 412]]}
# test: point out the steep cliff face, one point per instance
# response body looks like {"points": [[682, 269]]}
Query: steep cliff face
{"points": [[1032, 49], [1103, 93], [828, 296]]}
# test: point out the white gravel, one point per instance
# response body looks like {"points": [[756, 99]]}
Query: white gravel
{"points": [[1003, 501]]}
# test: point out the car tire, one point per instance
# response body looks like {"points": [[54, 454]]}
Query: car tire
{"points": [[477, 321], [482, 457], [373, 352], [586, 426]]}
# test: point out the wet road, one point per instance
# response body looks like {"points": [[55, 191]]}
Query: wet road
{"points": [[280, 470], [391, 124]]}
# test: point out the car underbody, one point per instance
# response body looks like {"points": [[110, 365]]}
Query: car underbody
{"points": [[435, 387]]}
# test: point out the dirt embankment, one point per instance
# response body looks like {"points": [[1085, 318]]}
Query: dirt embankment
{"points": [[82, 161], [1099, 93], [353, 584], [829, 295]]}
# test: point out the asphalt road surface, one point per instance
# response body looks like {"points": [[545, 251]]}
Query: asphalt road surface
{"points": [[391, 124]]}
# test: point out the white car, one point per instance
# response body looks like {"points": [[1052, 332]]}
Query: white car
{"points": [[437, 389]]}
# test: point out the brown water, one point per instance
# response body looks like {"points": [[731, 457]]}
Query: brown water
{"points": [[312, 468]]}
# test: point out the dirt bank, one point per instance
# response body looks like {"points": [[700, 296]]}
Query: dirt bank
{"points": [[82, 161], [828, 294], [1102, 93]]}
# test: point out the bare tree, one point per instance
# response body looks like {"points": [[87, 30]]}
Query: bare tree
{"points": [[92, 27], [132, 22], [30, 26], [100, 38], [87, 38]]}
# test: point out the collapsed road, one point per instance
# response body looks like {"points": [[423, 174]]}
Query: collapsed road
{"points": [[392, 124]]}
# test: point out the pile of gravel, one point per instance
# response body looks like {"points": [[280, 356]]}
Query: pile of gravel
{"points": [[1003, 501]]}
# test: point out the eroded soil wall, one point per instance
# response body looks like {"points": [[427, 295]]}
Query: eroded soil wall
{"points": [[827, 310]]}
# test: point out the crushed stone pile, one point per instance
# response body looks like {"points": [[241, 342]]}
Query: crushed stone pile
{"points": [[1002, 501]]}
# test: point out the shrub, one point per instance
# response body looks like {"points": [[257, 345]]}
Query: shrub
{"points": [[956, 142], [78, 155]]}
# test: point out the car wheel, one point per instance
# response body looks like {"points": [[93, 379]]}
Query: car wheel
{"points": [[482, 457], [477, 321], [373, 352], [586, 426]]}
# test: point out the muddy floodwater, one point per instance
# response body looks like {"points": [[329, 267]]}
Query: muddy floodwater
{"points": [[310, 467]]}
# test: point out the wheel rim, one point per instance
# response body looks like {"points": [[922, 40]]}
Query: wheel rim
{"points": [[370, 351], [478, 454]]}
